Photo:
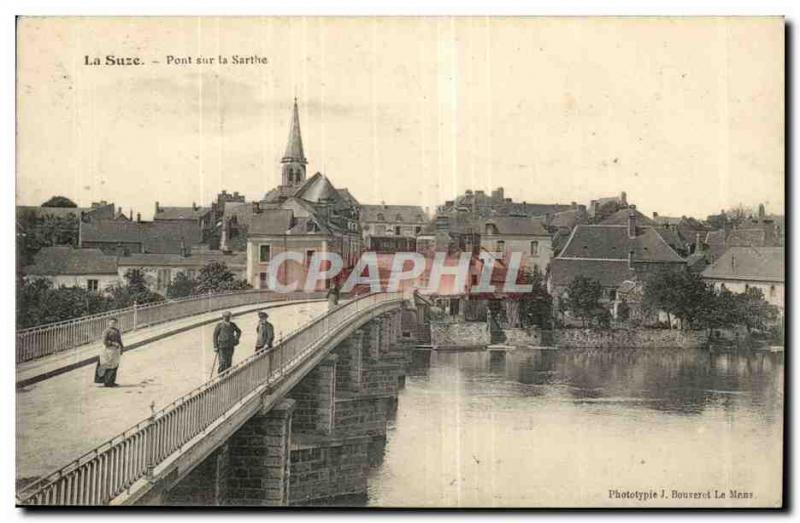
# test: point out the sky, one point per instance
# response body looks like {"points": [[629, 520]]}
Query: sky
{"points": [[684, 115]]}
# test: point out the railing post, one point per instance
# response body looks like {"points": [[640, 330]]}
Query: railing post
{"points": [[149, 444], [135, 307]]}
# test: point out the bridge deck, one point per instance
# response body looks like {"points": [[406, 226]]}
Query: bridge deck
{"points": [[67, 415]]}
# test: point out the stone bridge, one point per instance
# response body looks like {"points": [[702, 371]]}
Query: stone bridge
{"points": [[297, 424]]}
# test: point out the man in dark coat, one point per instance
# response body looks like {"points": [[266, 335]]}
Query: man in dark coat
{"points": [[226, 337], [265, 333], [108, 360]]}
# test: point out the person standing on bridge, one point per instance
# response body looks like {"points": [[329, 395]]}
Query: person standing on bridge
{"points": [[226, 337], [333, 296], [265, 333], [108, 362]]}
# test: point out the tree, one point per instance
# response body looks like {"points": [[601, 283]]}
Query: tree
{"points": [[39, 302], [135, 290], [215, 277], [679, 294], [35, 232], [536, 306], [717, 310], [59, 201], [753, 310], [583, 298], [183, 285]]}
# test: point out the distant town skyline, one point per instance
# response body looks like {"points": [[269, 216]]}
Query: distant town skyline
{"points": [[408, 111]]}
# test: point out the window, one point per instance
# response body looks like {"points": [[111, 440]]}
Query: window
{"points": [[500, 246], [262, 280], [417, 230], [93, 285], [612, 294], [381, 218], [264, 252], [534, 248], [397, 230], [771, 291], [309, 255]]}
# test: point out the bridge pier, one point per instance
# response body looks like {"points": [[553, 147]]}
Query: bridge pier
{"points": [[316, 398], [260, 459]]}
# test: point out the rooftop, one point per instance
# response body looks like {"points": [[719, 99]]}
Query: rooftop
{"points": [[611, 242], [65, 260], [393, 213], [749, 264], [156, 236], [181, 213]]}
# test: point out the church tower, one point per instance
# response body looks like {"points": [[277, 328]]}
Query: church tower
{"points": [[293, 163]]}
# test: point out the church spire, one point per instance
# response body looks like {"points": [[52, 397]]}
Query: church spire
{"points": [[293, 170]]}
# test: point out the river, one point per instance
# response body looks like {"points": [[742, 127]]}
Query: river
{"points": [[562, 428]]}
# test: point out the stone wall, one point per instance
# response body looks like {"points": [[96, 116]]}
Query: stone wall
{"points": [[206, 485], [518, 337], [624, 338], [465, 334], [315, 397], [363, 415], [328, 468]]}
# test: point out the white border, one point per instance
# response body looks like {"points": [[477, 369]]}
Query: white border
{"points": [[788, 8]]}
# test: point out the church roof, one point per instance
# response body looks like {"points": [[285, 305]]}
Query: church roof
{"points": [[294, 147]]}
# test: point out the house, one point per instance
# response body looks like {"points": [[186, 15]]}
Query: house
{"points": [[742, 268], [479, 204], [120, 237], [602, 207], [504, 235], [200, 217], [303, 216], [67, 266], [391, 220], [160, 269], [612, 255]]}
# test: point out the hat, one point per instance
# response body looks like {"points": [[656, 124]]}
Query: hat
{"points": [[226, 314], [262, 314]]}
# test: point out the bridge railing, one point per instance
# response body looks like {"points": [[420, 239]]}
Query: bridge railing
{"points": [[106, 472], [52, 338]]}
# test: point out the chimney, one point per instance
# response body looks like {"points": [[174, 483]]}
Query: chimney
{"points": [[623, 197], [632, 224], [655, 215], [157, 207], [256, 209], [139, 217], [762, 211], [630, 260], [698, 245], [130, 214]]}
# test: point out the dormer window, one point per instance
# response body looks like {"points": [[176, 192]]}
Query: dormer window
{"points": [[381, 218], [398, 218]]}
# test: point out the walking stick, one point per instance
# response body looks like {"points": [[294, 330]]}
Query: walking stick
{"points": [[213, 364]]}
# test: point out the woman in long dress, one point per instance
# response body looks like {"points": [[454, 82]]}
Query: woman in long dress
{"points": [[108, 362]]}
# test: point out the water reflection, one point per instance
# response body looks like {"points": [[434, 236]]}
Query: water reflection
{"points": [[528, 427]]}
